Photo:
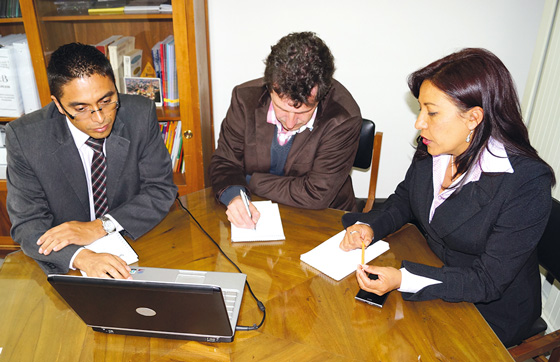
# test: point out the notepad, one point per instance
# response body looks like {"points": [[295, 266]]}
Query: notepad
{"points": [[115, 244], [269, 227], [336, 263]]}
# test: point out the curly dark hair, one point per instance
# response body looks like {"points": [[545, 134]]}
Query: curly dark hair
{"points": [[475, 77], [296, 64], [76, 60]]}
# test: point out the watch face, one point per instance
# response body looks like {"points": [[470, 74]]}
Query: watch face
{"points": [[108, 225]]}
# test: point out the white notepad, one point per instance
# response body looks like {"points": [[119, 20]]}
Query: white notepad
{"points": [[115, 244], [269, 226], [329, 259]]}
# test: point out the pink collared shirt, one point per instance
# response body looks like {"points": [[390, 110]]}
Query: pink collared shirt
{"points": [[282, 134], [492, 159]]}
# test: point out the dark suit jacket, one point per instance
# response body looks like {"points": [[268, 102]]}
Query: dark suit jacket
{"points": [[316, 174], [486, 235], [47, 184]]}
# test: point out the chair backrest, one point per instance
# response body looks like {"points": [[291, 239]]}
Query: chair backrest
{"points": [[369, 152], [536, 345], [549, 246], [365, 145]]}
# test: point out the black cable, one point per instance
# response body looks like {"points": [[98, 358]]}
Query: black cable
{"points": [[259, 303]]}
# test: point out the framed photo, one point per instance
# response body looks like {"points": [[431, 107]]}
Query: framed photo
{"points": [[147, 87]]}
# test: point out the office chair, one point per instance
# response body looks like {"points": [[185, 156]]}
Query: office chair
{"points": [[548, 252], [369, 151]]}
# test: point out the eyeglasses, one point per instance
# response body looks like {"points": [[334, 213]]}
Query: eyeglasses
{"points": [[87, 113]]}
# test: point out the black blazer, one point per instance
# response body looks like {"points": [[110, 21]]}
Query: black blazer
{"points": [[47, 184], [486, 235]]}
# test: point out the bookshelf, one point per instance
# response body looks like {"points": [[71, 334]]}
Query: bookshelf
{"points": [[46, 30], [7, 26]]}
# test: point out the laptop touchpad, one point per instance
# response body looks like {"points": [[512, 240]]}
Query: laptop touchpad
{"points": [[190, 278]]}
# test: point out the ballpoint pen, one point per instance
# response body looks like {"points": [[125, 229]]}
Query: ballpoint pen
{"points": [[246, 203]]}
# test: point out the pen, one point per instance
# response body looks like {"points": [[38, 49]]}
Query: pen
{"points": [[246, 203], [363, 252]]}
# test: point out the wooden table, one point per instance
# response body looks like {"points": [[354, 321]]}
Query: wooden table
{"points": [[310, 317]]}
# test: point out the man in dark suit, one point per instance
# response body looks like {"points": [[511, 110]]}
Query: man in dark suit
{"points": [[54, 206], [291, 136]]}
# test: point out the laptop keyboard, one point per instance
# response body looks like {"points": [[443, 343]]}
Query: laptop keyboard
{"points": [[230, 296]]}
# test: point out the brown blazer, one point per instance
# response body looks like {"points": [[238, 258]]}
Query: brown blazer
{"points": [[316, 174]]}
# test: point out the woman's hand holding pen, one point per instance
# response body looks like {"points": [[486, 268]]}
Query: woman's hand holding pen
{"points": [[387, 278], [237, 214], [355, 236]]}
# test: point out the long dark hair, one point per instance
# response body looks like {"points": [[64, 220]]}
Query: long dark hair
{"points": [[476, 77]]}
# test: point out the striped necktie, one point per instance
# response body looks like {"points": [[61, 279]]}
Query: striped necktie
{"points": [[98, 177]]}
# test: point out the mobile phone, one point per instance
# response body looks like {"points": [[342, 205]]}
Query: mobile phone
{"points": [[371, 298]]}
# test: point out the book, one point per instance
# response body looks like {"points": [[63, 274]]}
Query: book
{"points": [[132, 63], [11, 102], [102, 45], [2, 136], [3, 156], [269, 227], [117, 50], [336, 263], [156, 58], [106, 11], [172, 99], [26, 77], [177, 147], [162, 59]]}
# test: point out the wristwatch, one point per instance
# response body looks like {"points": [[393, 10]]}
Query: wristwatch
{"points": [[108, 225]]}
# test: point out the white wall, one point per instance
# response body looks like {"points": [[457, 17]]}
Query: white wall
{"points": [[376, 44]]}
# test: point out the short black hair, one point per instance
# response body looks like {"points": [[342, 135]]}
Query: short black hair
{"points": [[298, 63], [76, 60]]}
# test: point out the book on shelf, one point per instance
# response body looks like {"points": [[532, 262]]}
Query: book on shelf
{"points": [[3, 162], [2, 136], [11, 102], [156, 58], [107, 7], [102, 45], [163, 56], [10, 9], [3, 156], [117, 50], [143, 6], [171, 134], [26, 76], [132, 63], [172, 99]]}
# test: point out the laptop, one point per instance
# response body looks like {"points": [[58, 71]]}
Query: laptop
{"points": [[167, 303]]}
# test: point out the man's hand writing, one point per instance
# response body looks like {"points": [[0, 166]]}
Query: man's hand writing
{"points": [[238, 216], [72, 232]]}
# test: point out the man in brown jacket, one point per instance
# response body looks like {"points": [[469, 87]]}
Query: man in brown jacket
{"points": [[290, 137]]}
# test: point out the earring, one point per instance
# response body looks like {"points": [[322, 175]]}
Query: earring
{"points": [[469, 136]]}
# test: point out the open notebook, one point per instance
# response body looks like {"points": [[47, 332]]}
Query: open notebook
{"points": [[329, 259], [269, 226]]}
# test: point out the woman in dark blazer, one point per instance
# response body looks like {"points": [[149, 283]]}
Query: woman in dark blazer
{"points": [[477, 188]]}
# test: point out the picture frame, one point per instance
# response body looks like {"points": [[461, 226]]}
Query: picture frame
{"points": [[147, 87]]}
